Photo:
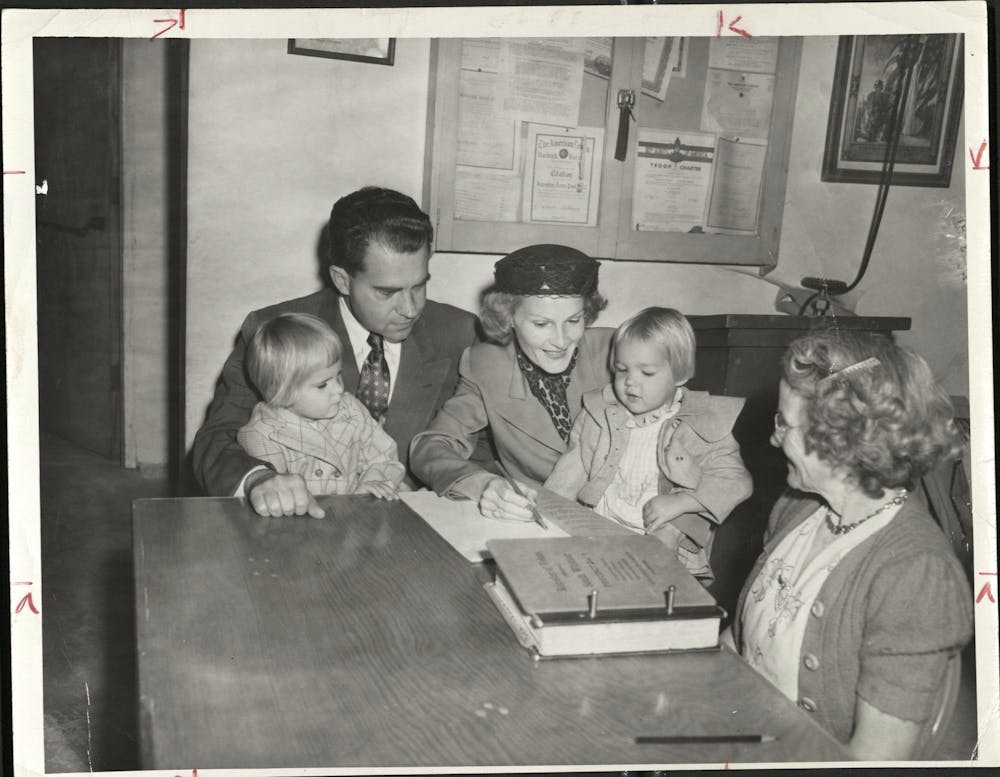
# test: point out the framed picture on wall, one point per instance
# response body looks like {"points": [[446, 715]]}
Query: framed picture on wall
{"points": [[379, 51], [868, 77]]}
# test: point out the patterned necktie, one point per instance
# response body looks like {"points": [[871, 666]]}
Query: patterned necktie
{"points": [[373, 385]]}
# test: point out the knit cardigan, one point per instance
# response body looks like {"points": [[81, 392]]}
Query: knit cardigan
{"points": [[884, 623]]}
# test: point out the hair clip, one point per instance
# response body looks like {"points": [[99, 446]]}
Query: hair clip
{"points": [[867, 364]]}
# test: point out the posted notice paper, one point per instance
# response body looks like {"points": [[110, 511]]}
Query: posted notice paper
{"points": [[673, 175], [540, 82], [752, 55], [737, 103], [486, 136], [481, 54], [739, 173], [482, 194], [562, 180]]}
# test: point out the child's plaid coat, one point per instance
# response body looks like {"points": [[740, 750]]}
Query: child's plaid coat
{"points": [[334, 456]]}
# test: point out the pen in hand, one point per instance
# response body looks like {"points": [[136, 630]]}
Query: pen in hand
{"points": [[520, 492]]}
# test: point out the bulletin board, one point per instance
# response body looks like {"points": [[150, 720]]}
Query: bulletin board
{"points": [[528, 145]]}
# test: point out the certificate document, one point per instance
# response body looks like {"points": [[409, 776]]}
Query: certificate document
{"points": [[753, 55], [540, 82], [562, 179], [673, 174], [739, 173], [737, 103]]}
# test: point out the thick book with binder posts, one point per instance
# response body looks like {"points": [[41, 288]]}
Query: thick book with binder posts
{"points": [[578, 596]]}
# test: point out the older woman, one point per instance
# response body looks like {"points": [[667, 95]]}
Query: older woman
{"points": [[857, 602], [525, 383]]}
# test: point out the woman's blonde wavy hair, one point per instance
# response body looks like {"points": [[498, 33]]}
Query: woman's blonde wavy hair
{"points": [[887, 423], [496, 312]]}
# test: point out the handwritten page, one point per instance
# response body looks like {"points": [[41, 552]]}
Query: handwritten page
{"points": [[459, 522], [574, 518]]}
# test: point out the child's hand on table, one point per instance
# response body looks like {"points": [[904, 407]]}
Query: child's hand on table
{"points": [[274, 495], [662, 509]]}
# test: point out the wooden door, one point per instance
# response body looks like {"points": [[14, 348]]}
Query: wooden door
{"points": [[78, 240]]}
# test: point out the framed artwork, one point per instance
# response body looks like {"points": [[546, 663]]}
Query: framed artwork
{"points": [[379, 51], [867, 78]]}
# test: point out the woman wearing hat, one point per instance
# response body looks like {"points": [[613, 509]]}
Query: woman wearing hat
{"points": [[524, 383]]}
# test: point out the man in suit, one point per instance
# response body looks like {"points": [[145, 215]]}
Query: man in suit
{"points": [[407, 346]]}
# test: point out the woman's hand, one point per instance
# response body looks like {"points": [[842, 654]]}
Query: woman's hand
{"points": [[383, 489], [501, 502]]}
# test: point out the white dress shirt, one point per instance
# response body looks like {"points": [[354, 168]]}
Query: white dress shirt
{"points": [[358, 336]]}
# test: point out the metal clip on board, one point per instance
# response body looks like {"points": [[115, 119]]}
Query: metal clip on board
{"points": [[626, 100]]}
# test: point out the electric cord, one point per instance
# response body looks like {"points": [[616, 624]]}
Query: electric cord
{"points": [[823, 285]]}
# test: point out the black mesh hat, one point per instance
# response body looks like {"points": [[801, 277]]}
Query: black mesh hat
{"points": [[547, 270]]}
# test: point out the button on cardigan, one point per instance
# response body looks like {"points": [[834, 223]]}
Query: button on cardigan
{"points": [[884, 624]]}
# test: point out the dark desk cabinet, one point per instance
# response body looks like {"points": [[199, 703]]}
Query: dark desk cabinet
{"points": [[740, 356]]}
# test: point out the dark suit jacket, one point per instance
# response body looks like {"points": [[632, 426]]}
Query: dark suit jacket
{"points": [[428, 372]]}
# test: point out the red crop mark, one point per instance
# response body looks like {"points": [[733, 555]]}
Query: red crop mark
{"points": [[13, 172], [986, 592], [194, 773], [731, 27], [26, 600], [171, 23], [977, 158]]}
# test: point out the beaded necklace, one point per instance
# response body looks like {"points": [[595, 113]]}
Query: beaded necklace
{"points": [[839, 528]]}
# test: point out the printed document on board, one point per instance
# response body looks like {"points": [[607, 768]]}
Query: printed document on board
{"points": [[562, 181], [739, 173], [673, 175]]}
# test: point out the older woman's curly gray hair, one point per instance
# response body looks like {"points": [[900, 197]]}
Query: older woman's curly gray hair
{"points": [[496, 313], [887, 423]]}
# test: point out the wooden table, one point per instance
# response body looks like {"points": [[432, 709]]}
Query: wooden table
{"points": [[364, 640]]}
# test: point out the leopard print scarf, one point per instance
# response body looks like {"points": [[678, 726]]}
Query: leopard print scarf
{"points": [[549, 389]]}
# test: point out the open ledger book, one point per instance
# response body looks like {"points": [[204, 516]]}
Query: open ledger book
{"points": [[622, 593], [460, 524]]}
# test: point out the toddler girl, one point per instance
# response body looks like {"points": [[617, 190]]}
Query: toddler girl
{"points": [[650, 454], [306, 424]]}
